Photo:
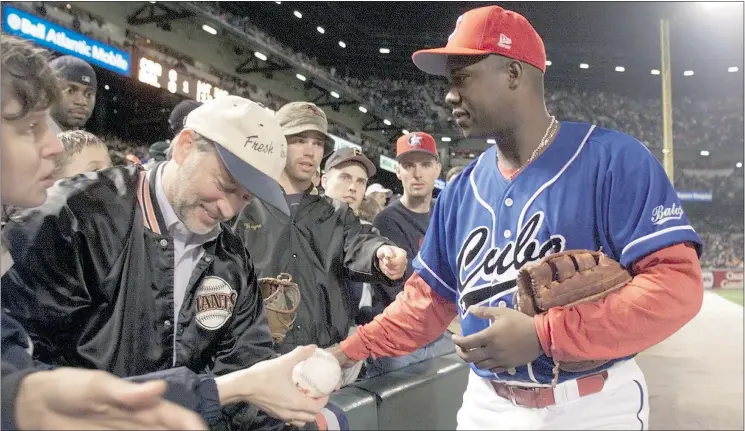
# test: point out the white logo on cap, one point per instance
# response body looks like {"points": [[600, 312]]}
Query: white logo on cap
{"points": [[215, 301], [86, 79], [504, 41], [415, 140], [457, 24]]}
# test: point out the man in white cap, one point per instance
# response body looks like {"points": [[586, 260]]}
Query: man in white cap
{"points": [[379, 193], [139, 273]]}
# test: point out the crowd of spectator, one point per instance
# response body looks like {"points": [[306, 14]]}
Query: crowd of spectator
{"points": [[697, 123], [704, 124], [722, 250]]}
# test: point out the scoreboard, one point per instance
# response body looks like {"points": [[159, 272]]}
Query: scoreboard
{"points": [[152, 72]]}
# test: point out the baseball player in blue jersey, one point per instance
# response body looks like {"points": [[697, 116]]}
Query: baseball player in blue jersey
{"points": [[547, 186]]}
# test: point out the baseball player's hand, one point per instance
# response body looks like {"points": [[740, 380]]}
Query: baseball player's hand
{"points": [[268, 385], [509, 342], [392, 261], [69, 398]]}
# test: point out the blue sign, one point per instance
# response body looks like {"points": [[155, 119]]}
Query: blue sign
{"points": [[695, 196], [66, 41]]}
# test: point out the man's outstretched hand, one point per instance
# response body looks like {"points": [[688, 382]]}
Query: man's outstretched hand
{"points": [[69, 398]]}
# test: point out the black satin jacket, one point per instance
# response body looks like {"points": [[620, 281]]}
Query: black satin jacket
{"points": [[322, 245], [93, 285]]}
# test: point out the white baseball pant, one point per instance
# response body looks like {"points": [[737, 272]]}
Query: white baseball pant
{"points": [[622, 404]]}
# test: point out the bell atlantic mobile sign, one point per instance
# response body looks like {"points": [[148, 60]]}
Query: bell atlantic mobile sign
{"points": [[64, 40]]}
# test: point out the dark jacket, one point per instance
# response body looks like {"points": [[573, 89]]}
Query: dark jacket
{"points": [[322, 245], [93, 285], [186, 388]]}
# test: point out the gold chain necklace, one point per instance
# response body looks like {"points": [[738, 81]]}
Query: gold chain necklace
{"points": [[550, 130]]}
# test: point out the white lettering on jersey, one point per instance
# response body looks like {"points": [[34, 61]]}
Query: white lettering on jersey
{"points": [[661, 215], [486, 273]]}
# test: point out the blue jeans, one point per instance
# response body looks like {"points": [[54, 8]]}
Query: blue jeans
{"points": [[441, 346]]}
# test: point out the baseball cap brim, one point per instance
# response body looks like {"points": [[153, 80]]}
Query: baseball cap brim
{"points": [[434, 61], [369, 166], [256, 182], [304, 128], [416, 150]]}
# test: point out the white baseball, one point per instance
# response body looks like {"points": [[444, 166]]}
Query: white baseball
{"points": [[318, 375]]}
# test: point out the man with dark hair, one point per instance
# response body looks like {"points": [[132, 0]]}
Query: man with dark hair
{"points": [[405, 222], [78, 79], [345, 176], [320, 243]]}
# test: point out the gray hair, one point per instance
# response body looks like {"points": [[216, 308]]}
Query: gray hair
{"points": [[203, 144]]}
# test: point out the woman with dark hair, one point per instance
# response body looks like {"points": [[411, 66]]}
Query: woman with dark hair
{"points": [[33, 395]]}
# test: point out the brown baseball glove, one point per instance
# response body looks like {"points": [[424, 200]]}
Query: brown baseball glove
{"points": [[566, 279], [281, 300]]}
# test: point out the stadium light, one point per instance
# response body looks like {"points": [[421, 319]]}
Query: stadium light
{"points": [[445, 139], [385, 51], [387, 122], [405, 132], [209, 29], [278, 2], [620, 69], [688, 73], [342, 44], [300, 77], [68, 6], [548, 63], [732, 69], [320, 29], [739, 164], [297, 14], [363, 109], [491, 141], [335, 95], [584, 66], [704, 153], [655, 72], [106, 87], [260, 56]]}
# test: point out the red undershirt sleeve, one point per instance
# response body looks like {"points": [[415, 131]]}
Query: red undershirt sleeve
{"points": [[416, 318], [665, 293]]}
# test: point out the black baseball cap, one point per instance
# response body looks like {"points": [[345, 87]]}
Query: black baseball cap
{"points": [[75, 70], [179, 114], [350, 155]]}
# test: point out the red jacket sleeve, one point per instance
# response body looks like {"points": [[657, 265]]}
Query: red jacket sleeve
{"points": [[416, 318], [665, 293]]}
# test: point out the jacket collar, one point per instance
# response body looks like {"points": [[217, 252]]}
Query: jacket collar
{"points": [[146, 196]]}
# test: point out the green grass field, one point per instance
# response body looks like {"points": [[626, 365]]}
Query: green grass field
{"points": [[734, 295]]}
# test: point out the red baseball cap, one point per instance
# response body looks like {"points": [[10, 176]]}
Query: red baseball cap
{"points": [[416, 142], [482, 31]]}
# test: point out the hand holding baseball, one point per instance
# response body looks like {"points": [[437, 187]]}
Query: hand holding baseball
{"points": [[269, 386], [69, 398], [392, 261]]}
